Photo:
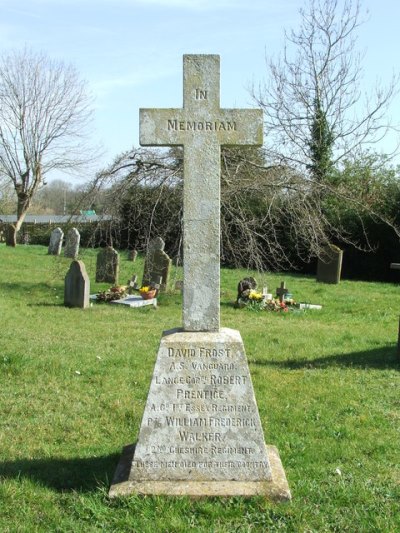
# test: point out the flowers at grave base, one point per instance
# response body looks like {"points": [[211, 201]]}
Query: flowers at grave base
{"points": [[147, 292], [113, 293], [255, 296], [258, 302], [276, 305]]}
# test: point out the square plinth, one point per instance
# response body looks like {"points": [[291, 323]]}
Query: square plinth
{"points": [[277, 489]]}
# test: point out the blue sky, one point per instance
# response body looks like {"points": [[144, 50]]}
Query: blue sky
{"points": [[130, 51]]}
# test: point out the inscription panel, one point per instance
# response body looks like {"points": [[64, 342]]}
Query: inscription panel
{"points": [[201, 420]]}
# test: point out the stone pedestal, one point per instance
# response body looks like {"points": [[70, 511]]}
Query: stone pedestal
{"points": [[201, 433]]}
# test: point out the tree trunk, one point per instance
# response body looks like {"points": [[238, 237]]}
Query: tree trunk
{"points": [[24, 200], [11, 235]]}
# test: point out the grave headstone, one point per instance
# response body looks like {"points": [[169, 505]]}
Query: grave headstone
{"points": [[107, 266], [157, 264], [245, 285], [396, 266], [201, 432], [56, 240], [329, 265], [132, 255], [179, 285], [72, 241], [77, 286]]}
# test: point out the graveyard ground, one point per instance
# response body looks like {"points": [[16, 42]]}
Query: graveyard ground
{"points": [[73, 385]]}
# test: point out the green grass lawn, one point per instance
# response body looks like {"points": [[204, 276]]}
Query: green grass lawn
{"points": [[74, 382]]}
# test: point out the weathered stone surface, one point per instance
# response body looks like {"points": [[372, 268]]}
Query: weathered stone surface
{"points": [[201, 420], [157, 265], [245, 285], [132, 255], [201, 127], [56, 240], [72, 243], [107, 266], [276, 490], [329, 266], [201, 425], [77, 286], [201, 432]]}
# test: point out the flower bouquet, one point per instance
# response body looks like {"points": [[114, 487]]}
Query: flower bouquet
{"points": [[113, 293], [147, 293]]}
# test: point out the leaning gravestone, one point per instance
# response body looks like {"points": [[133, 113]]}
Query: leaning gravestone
{"points": [[56, 240], [157, 264], [329, 266], [107, 265], [201, 432], [72, 243], [77, 286]]}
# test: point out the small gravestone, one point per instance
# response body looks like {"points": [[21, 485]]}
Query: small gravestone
{"points": [[396, 266], [329, 266], [132, 255], [77, 286], [245, 285], [179, 285], [157, 264], [56, 240], [107, 266], [201, 432], [72, 243]]}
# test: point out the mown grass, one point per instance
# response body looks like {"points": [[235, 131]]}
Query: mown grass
{"points": [[73, 385]]}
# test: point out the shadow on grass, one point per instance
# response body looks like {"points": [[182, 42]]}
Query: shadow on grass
{"points": [[24, 287], [380, 358], [46, 304], [63, 475]]}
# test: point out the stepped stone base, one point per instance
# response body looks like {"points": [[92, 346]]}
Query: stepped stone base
{"points": [[201, 432], [275, 490]]}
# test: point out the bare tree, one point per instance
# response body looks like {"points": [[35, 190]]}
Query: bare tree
{"points": [[44, 112], [316, 111]]}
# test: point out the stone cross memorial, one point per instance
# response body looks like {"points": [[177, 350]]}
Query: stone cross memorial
{"points": [[201, 432]]}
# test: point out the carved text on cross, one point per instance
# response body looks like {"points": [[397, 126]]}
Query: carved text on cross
{"points": [[201, 127]]}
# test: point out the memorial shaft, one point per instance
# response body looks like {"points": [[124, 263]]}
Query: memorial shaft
{"points": [[201, 127]]}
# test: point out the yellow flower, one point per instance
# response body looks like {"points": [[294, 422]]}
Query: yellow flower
{"points": [[144, 289], [253, 295]]}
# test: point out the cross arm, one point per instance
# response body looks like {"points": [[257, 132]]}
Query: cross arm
{"points": [[247, 127], [158, 127]]}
